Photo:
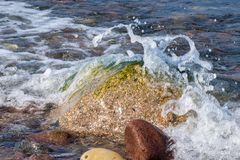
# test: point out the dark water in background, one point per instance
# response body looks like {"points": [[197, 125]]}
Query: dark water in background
{"points": [[212, 25]]}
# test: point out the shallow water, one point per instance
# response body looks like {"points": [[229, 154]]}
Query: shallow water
{"points": [[42, 43]]}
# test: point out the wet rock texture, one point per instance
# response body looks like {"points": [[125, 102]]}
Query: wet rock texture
{"points": [[18, 156], [41, 157], [128, 94], [24, 133], [144, 141], [21, 156], [52, 137]]}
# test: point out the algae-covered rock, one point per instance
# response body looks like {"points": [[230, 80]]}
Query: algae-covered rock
{"points": [[118, 94], [100, 154]]}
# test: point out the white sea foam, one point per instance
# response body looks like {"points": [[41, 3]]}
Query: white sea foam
{"points": [[213, 131], [20, 13], [27, 77]]}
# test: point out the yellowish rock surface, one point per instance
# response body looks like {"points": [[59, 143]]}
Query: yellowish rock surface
{"points": [[10, 46], [100, 154], [128, 94]]}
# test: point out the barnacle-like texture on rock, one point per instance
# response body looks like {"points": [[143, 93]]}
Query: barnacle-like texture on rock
{"points": [[130, 93]]}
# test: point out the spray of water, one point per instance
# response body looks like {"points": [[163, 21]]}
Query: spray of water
{"points": [[212, 133]]}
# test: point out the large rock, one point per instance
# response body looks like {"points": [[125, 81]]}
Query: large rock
{"points": [[144, 141], [117, 94]]}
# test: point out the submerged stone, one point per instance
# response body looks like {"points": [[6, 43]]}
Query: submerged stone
{"points": [[12, 47], [51, 137], [100, 154], [118, 94], [41, 157], [29, 148]]}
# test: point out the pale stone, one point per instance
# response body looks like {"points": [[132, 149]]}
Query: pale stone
{"points": [[100, 154]]}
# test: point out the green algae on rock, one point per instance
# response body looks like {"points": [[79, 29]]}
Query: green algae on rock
{"points": [[112, 95]]}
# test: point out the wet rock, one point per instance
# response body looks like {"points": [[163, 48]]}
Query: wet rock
{"points": [[89, 21], [16, 128], [66, 54], [41, 157], [112, 96], [6, 153], [33, 123], [146, 142], [18, 156], [8, 31], [12, 47], [17, 118], [29, 148], [63, 155], [52, 137], [100, 154], [11, 133], [53, 40]]}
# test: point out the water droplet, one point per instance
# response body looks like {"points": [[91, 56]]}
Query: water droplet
{"points": [[214, 76]]}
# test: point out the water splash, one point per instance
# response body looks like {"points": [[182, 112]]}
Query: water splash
{"points": [[27, 74], [157, 61], [212, 131]]}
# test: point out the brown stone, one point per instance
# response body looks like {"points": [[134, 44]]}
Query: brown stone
{"points": [[41, 157], [16, 156], [51, 137], [7, 153], [144, 141], [19, 156]]}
